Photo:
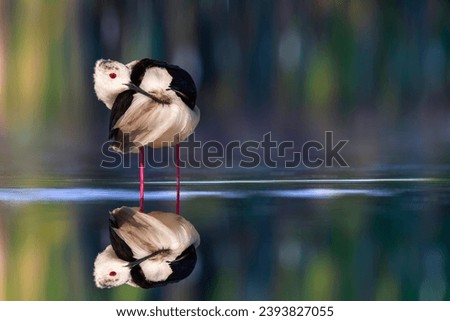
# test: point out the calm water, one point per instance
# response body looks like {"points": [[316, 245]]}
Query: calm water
{"points": [[334, 239]]}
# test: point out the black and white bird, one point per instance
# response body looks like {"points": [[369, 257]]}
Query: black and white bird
{"points": [[147, 250], [152, 103]]}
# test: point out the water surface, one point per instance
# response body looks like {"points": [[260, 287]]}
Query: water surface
{"points": [[274, 239]]}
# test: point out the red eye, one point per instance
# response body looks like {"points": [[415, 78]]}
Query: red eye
{"points": [[112, 273], [112, 75]]}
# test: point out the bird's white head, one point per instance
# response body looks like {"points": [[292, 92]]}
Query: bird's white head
{"points": [[110, 79], [110, 271]]}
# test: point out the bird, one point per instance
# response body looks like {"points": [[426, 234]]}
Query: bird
{"points": [[146, 250], [152, 102]]}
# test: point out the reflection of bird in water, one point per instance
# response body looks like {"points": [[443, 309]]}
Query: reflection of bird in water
{"points": [[147, 250], [152, 103], [110, 271]]}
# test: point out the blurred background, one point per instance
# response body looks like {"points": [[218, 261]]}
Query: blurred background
{"points": [[376, 73]]}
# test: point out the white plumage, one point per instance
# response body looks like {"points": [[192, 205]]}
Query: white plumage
{"points": [[155, 124], [110, 79], [110, 271]]}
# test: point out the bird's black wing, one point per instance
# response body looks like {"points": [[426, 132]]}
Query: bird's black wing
{"points": [[182, 82], [183, 85], [139, 69], [183, 265], [119, 108], [120, 247], [138, 277]]}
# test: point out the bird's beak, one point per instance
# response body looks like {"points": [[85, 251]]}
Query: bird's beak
{"points": [[139, 261], [138, 90]]}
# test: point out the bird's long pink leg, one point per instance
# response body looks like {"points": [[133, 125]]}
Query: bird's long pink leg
{"points": [[141, 179], [177, 156]]}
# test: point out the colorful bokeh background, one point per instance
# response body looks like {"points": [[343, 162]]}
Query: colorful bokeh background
{"points": [[376, 73]]}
